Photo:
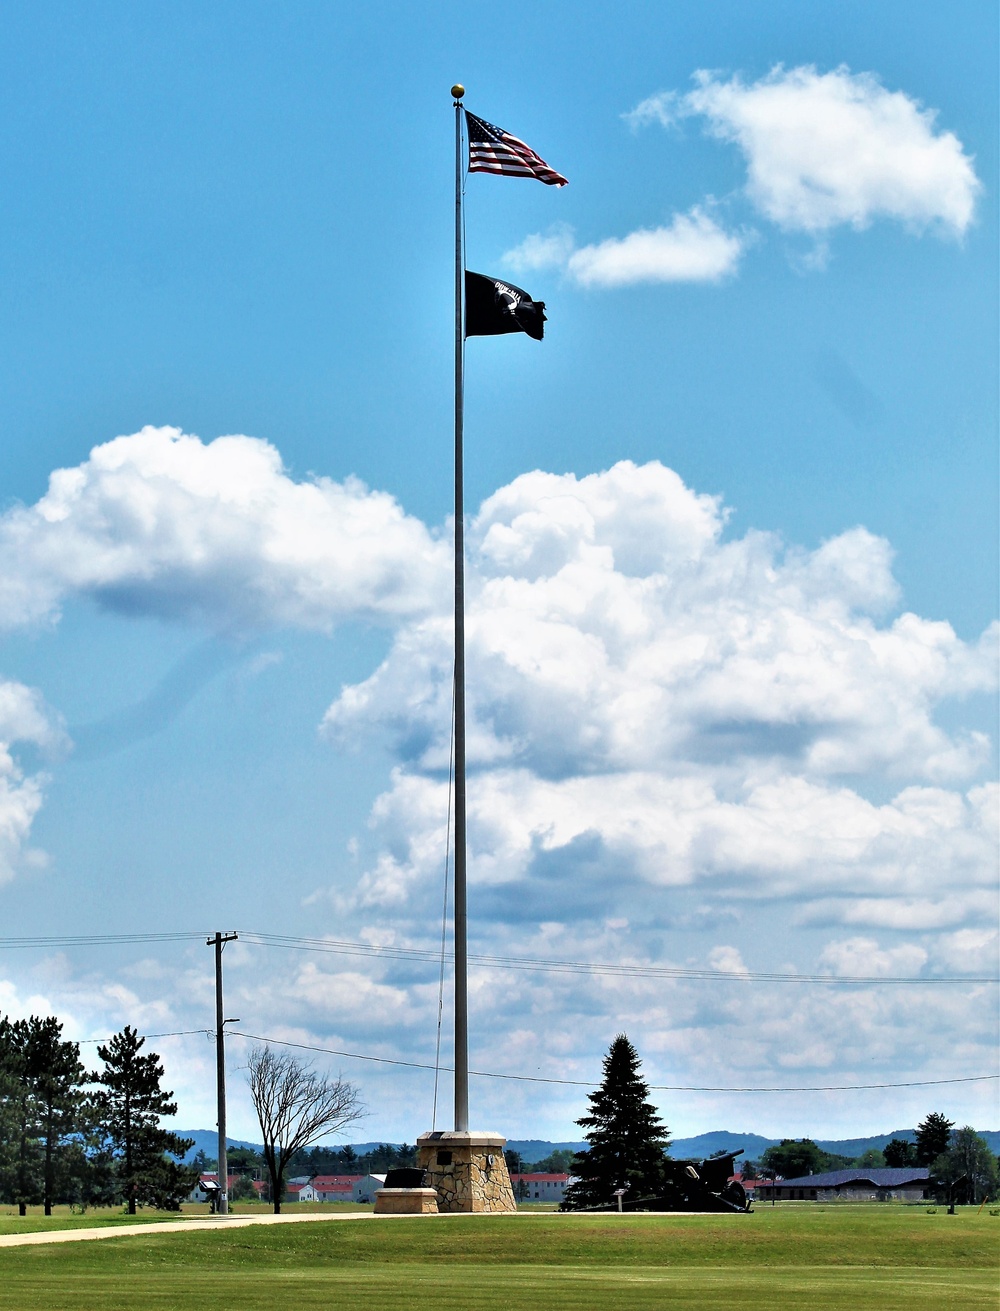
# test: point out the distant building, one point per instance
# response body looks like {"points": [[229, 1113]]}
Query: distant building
{"points": [[906, 1184], [750, 1183], [330, 1188], [365, 1188], [540, 1187]]}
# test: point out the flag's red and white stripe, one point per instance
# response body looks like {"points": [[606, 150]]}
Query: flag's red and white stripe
{"points": [[492, 150]]}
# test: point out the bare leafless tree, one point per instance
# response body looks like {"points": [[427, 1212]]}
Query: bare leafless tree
{"points": [[295, 1107]]}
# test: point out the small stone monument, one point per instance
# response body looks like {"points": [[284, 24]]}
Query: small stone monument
{"points": [[467, 1171], [405, 1193]]}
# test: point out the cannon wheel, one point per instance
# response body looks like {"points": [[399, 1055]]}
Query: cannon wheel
{"points": [[735, 1192]]}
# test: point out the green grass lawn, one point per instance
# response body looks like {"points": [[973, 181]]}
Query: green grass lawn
{"points": [[812, 1257]]}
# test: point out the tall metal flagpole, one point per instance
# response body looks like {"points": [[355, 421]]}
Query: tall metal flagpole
{"points": [[461, 903]]}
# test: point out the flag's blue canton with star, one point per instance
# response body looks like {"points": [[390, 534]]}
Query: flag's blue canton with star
{"points": [[492, 150]]}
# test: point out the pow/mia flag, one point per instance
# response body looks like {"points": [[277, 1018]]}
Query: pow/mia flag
{"points": [[493, 307]]}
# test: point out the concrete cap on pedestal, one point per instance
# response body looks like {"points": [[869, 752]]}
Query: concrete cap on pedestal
{"points": [[461, 1138]]}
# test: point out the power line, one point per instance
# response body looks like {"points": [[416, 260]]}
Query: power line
{"points": [[583, 1083], [571, 1083], [336, 947], [177, 1033], [346, 948], [94, 939]]}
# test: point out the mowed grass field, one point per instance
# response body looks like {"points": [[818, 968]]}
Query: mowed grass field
{"points": [[811, 1257]]}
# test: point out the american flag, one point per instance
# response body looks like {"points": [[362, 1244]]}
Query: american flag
{"points": [[492, 150]]}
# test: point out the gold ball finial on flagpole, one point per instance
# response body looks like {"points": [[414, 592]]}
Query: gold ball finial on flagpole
{"points": [[458, 91]]}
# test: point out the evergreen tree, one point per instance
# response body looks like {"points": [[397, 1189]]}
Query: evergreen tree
{"points": [[627, 1138], [128, 1106], [933, 1137], [47, 1152], [21, 1180], [8, 1118], [242, 1161], [57, 1076], [900, 1152]]}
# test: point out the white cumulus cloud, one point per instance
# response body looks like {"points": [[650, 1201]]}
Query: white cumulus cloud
{"points": [[691, 248], [543, 250], [24, 720], [864, 956], [821, 150], [824, 149], [160, 522], [663, 723], [610, 627]]}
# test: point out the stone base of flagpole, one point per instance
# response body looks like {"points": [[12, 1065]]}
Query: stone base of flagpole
{"points": [[467, 1171]]}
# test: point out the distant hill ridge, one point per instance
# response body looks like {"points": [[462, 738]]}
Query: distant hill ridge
{"points": [[703, 1144]]}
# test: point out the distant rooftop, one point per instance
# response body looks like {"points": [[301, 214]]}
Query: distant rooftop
{"points": [[883, 1177]]}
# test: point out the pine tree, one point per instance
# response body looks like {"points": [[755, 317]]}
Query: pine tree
{"points": [[933, 1137], [56, 1077], [128, 1107], [21, 1174], [43, 1121], [627, 1138], [899, 1152]]}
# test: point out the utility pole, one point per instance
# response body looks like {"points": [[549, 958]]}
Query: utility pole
{"points": [[218, 942]]}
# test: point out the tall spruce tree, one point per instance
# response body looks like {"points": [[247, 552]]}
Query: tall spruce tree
{"points": [[933, 1137], [128, 1106], [627, 1138]]}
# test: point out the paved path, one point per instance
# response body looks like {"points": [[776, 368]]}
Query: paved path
{"points": [[221, 1222], [170, 1227]]}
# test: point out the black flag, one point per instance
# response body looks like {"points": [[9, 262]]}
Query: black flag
{"points": [[493, 307]]}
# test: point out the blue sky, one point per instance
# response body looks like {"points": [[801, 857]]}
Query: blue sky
{"points": [[732, 674]]}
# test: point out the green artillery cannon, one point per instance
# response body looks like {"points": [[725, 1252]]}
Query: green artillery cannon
{"points": [[703, 1186], [689, 1186]]}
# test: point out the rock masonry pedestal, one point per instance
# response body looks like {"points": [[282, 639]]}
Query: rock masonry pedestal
{"points": [[406, 1201], [467, 1171]]}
